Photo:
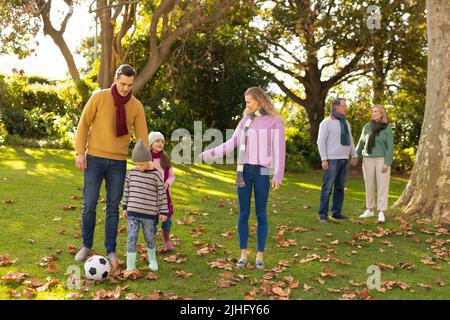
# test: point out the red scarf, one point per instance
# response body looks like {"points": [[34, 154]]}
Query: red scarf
{"points": [[157, 155], [121, 116]]}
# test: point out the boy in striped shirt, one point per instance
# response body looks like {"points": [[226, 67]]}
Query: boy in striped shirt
{"points": [[144, 197]]}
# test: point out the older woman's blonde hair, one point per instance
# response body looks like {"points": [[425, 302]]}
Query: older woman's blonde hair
{"points": [[382, 110], [263, 100]]}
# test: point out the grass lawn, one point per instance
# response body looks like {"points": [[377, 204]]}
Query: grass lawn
{"points": [[329, 261]]}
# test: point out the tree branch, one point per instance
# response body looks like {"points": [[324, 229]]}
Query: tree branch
{"points": [[345, 70]]}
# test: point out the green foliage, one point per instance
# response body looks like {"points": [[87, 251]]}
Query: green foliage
{"points": [[35, 108]]}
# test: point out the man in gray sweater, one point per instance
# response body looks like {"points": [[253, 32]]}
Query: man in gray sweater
{"points": [[335, 143]]}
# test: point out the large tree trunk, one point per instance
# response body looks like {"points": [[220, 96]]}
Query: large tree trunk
{"points": [[104, 77], [427, 193], [379, 76]]}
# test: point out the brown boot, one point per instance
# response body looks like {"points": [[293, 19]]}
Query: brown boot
{"points": [[168, 244]]}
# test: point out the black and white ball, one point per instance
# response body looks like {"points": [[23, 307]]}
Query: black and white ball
{"points": [[97, 268]]}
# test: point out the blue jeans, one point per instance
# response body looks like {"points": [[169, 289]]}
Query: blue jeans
{"points": [[333, 178], [113, 172], [261, 184], [133, 224], [165, 226]]}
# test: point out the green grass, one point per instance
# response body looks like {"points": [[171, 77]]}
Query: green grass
{"points": [[41, 181]]}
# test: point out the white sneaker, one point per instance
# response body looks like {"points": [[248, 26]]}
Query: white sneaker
{"points": [[367, 214], [381, 218]]}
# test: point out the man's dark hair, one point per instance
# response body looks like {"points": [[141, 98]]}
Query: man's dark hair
{"points": [[126, 70], [336, 103]]}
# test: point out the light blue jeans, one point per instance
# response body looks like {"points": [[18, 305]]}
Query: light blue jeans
{"points": [[133, 233]]}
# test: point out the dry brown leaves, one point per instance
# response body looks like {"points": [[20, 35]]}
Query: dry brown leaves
{"points": [[183, 274], [176, 258], [6, 261], [222, 263]]}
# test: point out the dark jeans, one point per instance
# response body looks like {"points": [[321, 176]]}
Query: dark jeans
{"points": [[333, 178], [113, 172], [165, 226], [261, 184]]}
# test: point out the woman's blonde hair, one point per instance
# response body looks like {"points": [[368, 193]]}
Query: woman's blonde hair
{"points": [[382, 110], [263, 100]]}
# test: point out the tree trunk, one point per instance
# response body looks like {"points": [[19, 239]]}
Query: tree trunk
{"points": [[427, 193], [378, 80], [315, 109], [104, 78]]}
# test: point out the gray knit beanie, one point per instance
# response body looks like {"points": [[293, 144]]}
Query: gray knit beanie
{"points": [[141, 153]]}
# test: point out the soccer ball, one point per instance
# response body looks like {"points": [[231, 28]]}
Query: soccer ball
{"points": [[96, 268]]}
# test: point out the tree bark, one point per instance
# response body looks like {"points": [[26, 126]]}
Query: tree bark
{"points": [[104, 78], [427, 193]]}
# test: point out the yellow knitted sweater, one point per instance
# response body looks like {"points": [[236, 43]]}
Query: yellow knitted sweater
{"points": [[96, 132]]}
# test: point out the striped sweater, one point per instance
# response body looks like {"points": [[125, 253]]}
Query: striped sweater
{"points": [[144, 193]]}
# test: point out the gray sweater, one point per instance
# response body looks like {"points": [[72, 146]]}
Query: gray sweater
{"points": [[329, 141], [144, 193]]}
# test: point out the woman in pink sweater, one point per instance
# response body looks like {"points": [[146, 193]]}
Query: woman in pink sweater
{"points": [[260, 140], [163, 164]]}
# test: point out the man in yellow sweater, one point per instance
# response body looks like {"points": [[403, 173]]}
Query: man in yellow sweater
{"points": [[101, 144]]}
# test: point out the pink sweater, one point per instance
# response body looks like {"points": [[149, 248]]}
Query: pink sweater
{"points": [[171, 177], [266, 144]]}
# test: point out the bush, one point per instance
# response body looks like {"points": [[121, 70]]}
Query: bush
{"points": [[48, 113], [404, 159]]}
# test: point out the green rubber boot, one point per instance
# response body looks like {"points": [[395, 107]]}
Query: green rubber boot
{"points": [[152, 259]]}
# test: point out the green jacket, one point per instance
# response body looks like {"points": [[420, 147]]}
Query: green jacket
{"points": [[384, 144]]}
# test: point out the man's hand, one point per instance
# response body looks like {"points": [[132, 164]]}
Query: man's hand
{"points": [[162, 218], [385, 168], [125, 214], [275, 186], [354, 162], [80, 161], [325, 164]]}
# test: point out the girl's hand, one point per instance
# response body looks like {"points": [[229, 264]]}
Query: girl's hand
{"points": [[125, 214], [162, 218], [166, 185], [275, 186]]}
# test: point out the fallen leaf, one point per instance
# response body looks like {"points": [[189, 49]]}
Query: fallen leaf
{"points": [[320, 280], [52, 267], [14, 276], [306, 287], [183, 274], [5, 261], [122, 229], [25, 293], [131, 274], [74, 295], [133, 296], [70, 207], [102, 294], [423, 285], [228, 234], [71, 249], [151, 276], [8, 201], [427, 260], [34, 282], [440, 282]]}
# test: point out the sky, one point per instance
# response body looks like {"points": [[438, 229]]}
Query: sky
{"points": [[48, 61]]}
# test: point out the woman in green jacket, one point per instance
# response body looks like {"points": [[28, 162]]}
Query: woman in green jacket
{"points": [[376, 146]]}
